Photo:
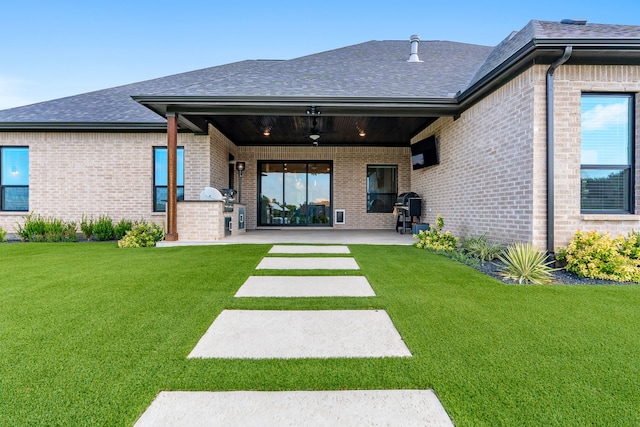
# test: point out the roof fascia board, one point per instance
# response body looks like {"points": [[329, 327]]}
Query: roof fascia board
{"points": [[601, 44], [80, 127], [390, 107]]}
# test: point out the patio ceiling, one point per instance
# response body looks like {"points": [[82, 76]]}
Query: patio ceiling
{"points": [[333, 130], [289, 121]]}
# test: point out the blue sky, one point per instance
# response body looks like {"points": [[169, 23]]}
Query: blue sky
{"points": [[50, 49]]}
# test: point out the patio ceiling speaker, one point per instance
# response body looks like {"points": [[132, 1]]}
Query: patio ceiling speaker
{"points": [[210, 193]]}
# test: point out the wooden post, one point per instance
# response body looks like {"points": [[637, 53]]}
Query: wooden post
{"points": [[172, 175]]}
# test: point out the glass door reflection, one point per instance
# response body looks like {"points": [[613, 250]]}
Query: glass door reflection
{"points": [[295, 193]]}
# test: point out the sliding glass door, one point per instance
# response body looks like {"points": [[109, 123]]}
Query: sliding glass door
{"points": [[295, 193]]}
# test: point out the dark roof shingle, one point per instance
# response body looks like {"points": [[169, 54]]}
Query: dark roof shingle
{"points": [[374, 69]]}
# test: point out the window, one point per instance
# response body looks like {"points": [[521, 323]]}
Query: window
{"points": [[606, 154], [382, 188], [14, 179], [160, 177]]}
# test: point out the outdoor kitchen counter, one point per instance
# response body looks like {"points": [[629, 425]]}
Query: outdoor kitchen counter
{"points": [[206, 220]]}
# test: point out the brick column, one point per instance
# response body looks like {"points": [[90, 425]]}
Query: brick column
{"points": [[172, 184]]}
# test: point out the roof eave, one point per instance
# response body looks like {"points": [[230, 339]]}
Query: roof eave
{"points": [[539, 49], [287, 105], [81, 127]]}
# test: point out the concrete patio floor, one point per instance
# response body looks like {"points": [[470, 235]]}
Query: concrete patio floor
{"points": [[306, 236]]}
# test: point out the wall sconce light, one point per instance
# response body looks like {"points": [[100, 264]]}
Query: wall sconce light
{"points": [[240, 166]]}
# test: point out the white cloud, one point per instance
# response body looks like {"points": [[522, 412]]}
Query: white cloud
{"points": [[603, 117]]}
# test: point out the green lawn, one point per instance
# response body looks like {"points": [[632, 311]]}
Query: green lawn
{"points": [[89, 334]]}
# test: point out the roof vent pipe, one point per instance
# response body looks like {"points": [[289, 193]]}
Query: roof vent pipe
{"points": [[415, 39]]}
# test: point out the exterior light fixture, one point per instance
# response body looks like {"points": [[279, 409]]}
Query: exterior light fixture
{"points": [[266, 132], [362, 133], [240, 168]]}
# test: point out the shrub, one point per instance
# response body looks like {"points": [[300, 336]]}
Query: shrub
{"points": [[39, 229], [600, 256], [103, 228], [3, 235], [435, 239], [480, 247], [631, 245], [122, 227], [86, 226], [525, 264], [142, 235]]}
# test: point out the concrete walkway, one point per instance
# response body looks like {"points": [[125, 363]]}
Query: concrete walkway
{"points": [[290, 334], [299, 334], [306, 286], [309, 249], [308, 263], [359, 408]]}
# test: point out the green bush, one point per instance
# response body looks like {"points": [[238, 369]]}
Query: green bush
{"points": [[480, 247], [434, 239], [39, 229], [142, 235], [122, 227], [525, 264], [3, 235], [600, 256], [103, 228], [86, 226]]}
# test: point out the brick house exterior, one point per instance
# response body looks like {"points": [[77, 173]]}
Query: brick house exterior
{"points": [[487, 106]]}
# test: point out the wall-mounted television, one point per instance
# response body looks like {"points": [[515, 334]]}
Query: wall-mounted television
{"points": [[425, 153]]}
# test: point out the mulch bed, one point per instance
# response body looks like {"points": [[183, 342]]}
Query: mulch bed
{"points": [[561, 276]]}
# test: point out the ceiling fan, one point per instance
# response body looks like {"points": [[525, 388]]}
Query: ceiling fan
{"points": [[314, 132]]}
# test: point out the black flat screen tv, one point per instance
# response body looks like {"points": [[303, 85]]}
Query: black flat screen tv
{"points": [[425, 153]]}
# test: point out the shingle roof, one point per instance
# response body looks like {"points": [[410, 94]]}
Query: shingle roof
{"points": [[375, 69], [371, 69], [114, 105], [541, 31]]}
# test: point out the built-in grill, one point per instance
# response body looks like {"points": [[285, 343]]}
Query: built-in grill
{"points": [[229, 198], [408, 205]]}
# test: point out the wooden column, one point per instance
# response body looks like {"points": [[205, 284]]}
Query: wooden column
{"points": [[172, 177]]}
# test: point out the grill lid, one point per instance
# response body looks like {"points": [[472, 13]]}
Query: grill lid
{"points": [[403, 198]]}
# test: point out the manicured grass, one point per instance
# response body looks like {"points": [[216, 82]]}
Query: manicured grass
{"points": [[91, 333]]}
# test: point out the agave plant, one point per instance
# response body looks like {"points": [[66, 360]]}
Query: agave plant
{"points": [[480, 247], [525, 264]]}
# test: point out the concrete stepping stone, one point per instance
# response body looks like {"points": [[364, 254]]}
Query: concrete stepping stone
{"points": [[308, 263], [291, 334], [300, 408], [306, 286], [309, 249]]}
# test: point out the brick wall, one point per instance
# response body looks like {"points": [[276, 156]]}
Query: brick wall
{"points": [[200, 221], [76, 173], [220, 149], [484, 182], [492, 174], [570, 82], [349, 178]]}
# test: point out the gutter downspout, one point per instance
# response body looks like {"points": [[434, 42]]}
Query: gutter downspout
{"points": [[550, 149]]}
